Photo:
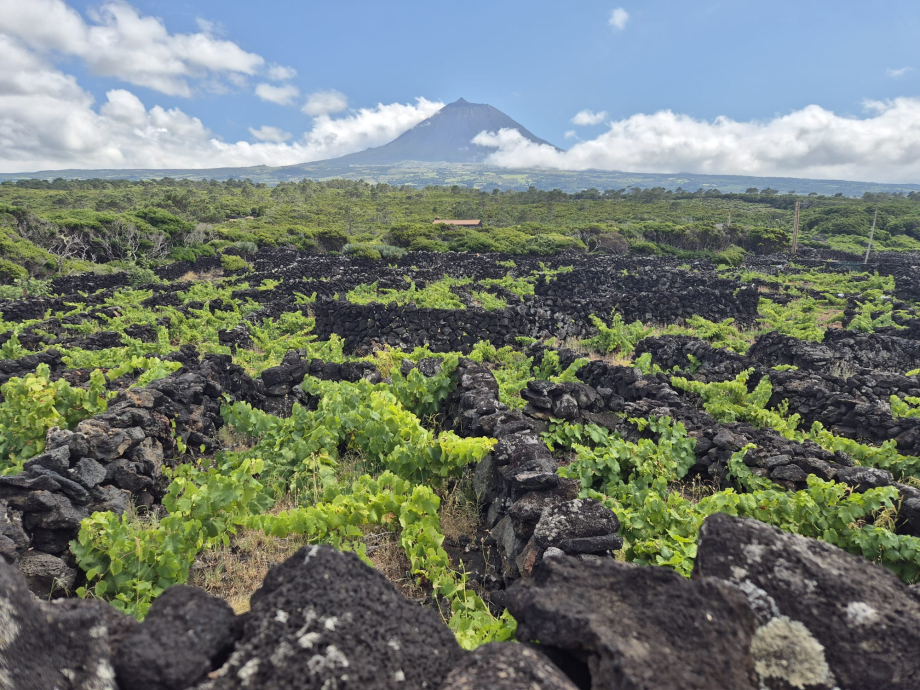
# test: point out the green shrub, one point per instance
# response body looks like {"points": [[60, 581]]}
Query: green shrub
{"points": [[243, 248], [544, 245], [232, 262], [388, 251], [361, 251], [10, 271], [422, 244], [473, 241], [733, 256], [644, 248], [331, 239]]}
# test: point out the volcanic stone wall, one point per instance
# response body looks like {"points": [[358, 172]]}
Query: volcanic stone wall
{"points": [[362, 326], [109, 462], [614, 392], [533, 513], [856, 407]]}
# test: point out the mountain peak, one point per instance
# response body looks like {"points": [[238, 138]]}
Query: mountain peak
{"points": [[445, 137]]}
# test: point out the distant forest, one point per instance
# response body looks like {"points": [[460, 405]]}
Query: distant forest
{"points": [[62, 226]]}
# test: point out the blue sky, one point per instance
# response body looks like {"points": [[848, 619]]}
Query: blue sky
{"points": [[541, 63]]}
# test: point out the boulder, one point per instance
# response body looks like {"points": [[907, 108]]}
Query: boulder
{"points": [[44, 646], [324, 619], [13, 539], [636, 628], [47, 576], [857, 620], [186, 635], [507, 666], [580, 526]]}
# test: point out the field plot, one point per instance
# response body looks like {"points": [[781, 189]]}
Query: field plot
{"points": [[457, 420]]}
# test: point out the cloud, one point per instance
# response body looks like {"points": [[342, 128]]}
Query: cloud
{"points": [[618, 18], [267, 133], [47, 122], [571, 134], [589, 117], [282, 95], [281, 73], [898, 73], [325, 103], [119, 42], [883, 146]]}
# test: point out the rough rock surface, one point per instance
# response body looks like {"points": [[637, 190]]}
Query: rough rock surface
{"points": [[637, 628], [187, 634], [863, 616], [45, 646], [501, 666], [323, 619]]}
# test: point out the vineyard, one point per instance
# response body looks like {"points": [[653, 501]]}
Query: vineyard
{"points": [[499, 438]]}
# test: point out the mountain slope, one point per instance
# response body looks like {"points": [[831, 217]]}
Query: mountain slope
{"points": [[445, 137]]}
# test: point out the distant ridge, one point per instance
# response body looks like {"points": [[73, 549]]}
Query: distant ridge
{"points": [[445, 137]]}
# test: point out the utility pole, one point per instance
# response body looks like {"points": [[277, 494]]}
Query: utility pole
{"points": [[871, 235], [795, 228]]}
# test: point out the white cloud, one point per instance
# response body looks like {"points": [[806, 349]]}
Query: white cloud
{"points": [[898, 73], [325, 103], [282, 95], [812, 142], [119, 42], [618, 18], [47, 121], [571, 134], [589, 117], [281, 73], [268, 133]]}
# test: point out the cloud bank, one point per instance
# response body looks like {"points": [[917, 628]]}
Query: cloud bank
{"points": [[48, 121], [812, 142], [121, 43]]}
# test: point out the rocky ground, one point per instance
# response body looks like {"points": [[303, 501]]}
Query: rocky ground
{"points": [[763, 609]]}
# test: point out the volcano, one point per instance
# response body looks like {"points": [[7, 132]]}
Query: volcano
{"points": [[445, 137]]}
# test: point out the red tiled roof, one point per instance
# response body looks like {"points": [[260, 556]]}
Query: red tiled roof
{"points": [[439, 221]]}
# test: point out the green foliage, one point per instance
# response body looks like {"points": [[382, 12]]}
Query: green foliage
{"points": [[437, 295], [618, 337], [645, 365], [131, 562], [232, 262], [415, 509], [488, 301], [660, 525], [730, 401], [884, 456], [908, 407], [875, 311], [522, 287], [550, 368], [733, 257], [798, 318], [365, 417], [34, 403], [510, 367]]}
